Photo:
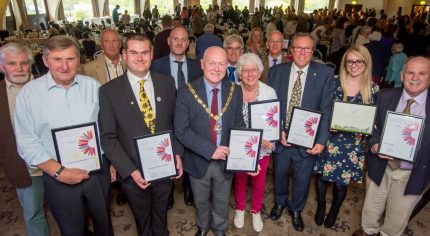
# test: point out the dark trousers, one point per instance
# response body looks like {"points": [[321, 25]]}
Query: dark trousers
{"points": [[149, 206], [70, 204], [290, 158]]}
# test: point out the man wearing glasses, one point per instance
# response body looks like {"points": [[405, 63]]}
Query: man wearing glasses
{"points": [[233, 45], [308, 85], [205, 111], [274, 44]]}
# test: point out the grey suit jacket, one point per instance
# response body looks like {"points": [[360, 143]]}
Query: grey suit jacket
{"points": [[162, 66], [192, 124], [121, 120], [13, 165], [317, 95], [388, 99], [97, 69]]}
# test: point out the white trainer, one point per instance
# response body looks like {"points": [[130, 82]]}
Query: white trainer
{"points": [[257, 222], [239, 219]]}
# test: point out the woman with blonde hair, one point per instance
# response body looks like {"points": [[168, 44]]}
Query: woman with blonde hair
{"points": [[255, 43], [342, 161]]}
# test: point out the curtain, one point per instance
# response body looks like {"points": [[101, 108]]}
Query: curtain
{"points": [[3, 6], [52, 8], [142, 7], [106, 8], [137, 9], [96, 11], [60, 11], [20, 15]]}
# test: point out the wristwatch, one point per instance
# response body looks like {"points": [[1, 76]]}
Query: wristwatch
{"points": [[58, 172]]}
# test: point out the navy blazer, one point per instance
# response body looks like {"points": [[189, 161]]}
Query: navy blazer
{"points": [[192, 125], [388, 99], [317, 95], [162, 66]]}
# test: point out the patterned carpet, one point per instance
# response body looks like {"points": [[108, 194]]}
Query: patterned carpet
{"points": [[182, 218]]}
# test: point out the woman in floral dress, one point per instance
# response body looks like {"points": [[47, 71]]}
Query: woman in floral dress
{"points": [[342, 161]]}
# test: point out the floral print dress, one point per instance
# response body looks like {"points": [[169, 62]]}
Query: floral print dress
{"points": [[343, 158]]}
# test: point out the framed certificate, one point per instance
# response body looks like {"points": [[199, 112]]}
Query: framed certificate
{"points": [[244, 147], [156, 156], [265, 115], [303, 127], [78, 146], [354, 118], [401, 136]]}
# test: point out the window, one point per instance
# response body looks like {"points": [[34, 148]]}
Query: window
{"points": [[77, 9], [311, 5], [164, 6], [240, 4], [274, 3], [41, 6], [123, 5], [30, 6]]}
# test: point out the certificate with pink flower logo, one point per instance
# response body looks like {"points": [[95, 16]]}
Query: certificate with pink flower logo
{"points": [[265, 115], [244, 147], [401, 136], [78, 146], [156, 156], [303, 127]]}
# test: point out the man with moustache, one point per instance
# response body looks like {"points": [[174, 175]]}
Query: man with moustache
{"points": [[62, 98], [15, 64], [183, 70], [140, 102], [306, 84], [396, 186], [205, 111]]}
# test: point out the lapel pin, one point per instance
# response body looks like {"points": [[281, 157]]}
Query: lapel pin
{"points": [[158, 99], [131, 102], [315, 74]]}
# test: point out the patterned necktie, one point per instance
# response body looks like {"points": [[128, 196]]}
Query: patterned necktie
{"points": [[395, 164], [296, 96], [214, 111], [275, 61], [181, 77], [148, 114], [231, 70]]}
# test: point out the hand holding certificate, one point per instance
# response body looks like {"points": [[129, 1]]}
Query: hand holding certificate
{"points": [[78, 147], [401, 136], [244, 147], [266, 115], [355, 118], [303, 127], [156, 155]]}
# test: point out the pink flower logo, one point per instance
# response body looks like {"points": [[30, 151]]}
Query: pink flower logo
{"points": [[251, 147], [407, 133], [87, 143], [162, 151], [270, 117], [310, 126]]}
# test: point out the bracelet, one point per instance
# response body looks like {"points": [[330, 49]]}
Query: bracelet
{"points": [[58, 172]]}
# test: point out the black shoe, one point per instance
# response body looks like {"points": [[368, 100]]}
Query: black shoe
{"points": [[201, 232], [120, 198], [276, 212], [188, 198], [331, 218], [319, 214], [296, 219]]}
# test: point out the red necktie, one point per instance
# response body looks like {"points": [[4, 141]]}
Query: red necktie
{"points": [[214, 111]]}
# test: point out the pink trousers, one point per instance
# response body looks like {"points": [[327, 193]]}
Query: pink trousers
{"points": [[257, 187]]}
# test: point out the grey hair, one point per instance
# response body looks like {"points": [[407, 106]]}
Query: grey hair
{"points": [[209, 28], [269, 35], [249, 59], [233, 38], [60, 42], [15, 48]]}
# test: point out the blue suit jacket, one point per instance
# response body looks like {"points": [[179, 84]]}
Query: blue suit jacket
{"points": [[162, 66], [192, 125], [388, 99], [317, 95]]}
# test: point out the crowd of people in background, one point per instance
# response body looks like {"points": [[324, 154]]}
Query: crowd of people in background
{"points": [[353, 56]]}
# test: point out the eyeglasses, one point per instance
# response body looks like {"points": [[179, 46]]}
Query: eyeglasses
{"points": [[357, 63], [299, 49], [252, 71], [212, 64]]}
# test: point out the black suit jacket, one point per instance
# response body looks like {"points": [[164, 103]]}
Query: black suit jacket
{"points": [[192, 124], [120, 119], [162, 66], [317, 95], [388, 99]]}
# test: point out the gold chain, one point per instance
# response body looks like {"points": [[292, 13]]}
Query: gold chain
{"points": [[206, 108]]}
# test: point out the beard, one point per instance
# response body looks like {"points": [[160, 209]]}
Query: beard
{"points": [[19, 79]]}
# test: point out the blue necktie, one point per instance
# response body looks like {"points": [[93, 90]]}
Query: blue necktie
{"points": [[275, 61], [231, 74]]}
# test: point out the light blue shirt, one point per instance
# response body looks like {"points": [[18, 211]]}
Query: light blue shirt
{"points": [[174, 69], [43, 105], [209, 95]]}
